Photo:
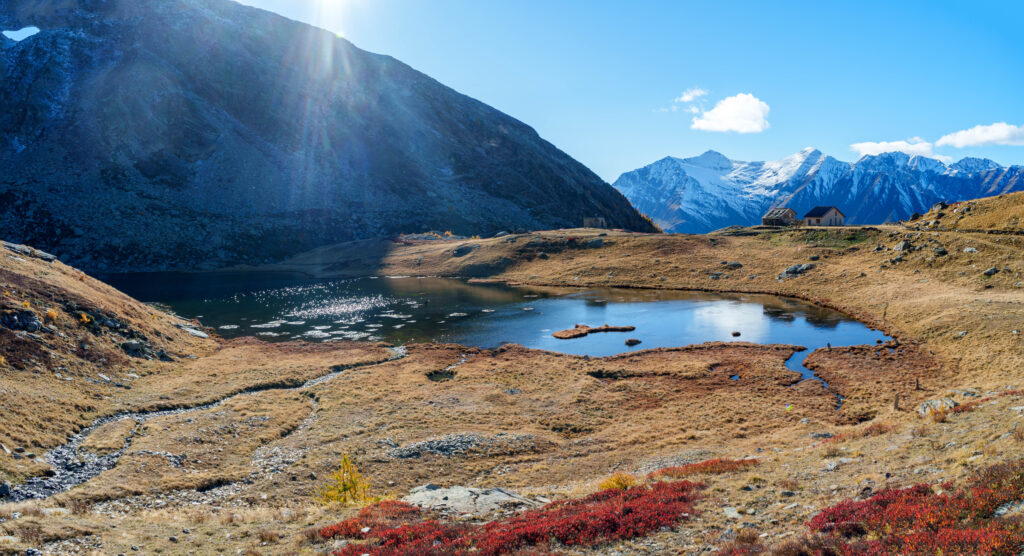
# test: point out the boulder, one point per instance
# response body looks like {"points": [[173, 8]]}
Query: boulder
{"points": [[796, 270], [991, 271], [732, 264], [134, 348], [940, 404], [5, 490], [632, 342], [970, 250], [21, 320], [465, 249], [193, 331], [903, 246], [467, 500], [29, 251]]}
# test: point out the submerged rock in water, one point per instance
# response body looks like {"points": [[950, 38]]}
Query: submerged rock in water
{"points": [[632, 341]]}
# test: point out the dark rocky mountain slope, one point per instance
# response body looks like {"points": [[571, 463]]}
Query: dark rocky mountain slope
{"points": [[158, 134]]}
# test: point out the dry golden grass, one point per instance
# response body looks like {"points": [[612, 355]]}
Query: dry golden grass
{"points": [[110, 437], [581, 417], [619, 480], [198, 450], [1003, 213]]}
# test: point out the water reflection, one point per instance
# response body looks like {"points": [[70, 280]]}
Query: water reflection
{"points": [[412, 309]]}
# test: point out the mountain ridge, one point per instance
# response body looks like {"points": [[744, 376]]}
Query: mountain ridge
{"points": [[710, 191], [184, 134]]}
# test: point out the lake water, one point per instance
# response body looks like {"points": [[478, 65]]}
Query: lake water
{"points": [[410, 309]]}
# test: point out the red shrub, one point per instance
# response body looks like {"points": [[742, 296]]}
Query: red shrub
{"points": [[918, 520], [385, 514], [601, 517], [389, 510], [971, 406], [876, 429], [710, 467], [985, 540]]}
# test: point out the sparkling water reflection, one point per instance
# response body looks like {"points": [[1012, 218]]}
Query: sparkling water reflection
{"points": [[411, 309]]}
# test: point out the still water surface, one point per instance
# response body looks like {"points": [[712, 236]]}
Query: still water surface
{"points": [[411, 309]]}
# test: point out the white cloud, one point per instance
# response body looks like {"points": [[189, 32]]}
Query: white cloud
{"points": [[1000, 133], [691, 94], [912, 146], [742, 113]]}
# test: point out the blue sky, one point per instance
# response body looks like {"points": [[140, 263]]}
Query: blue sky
{"points": [[605, 81]]}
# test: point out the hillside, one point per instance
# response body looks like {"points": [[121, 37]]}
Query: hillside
{"points": [[710, 191], [243, 474], [1000, 214], [159, 134]]}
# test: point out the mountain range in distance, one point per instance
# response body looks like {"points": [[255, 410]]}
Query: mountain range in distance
{"points": [[710, 191]]}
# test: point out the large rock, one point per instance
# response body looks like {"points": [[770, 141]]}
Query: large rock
{"points": [[795, 270], [29, 252], [468, 500], [21, 320], [932, 406]]}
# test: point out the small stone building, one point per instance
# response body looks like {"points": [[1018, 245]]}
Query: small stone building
{"points": [[594, 222], [824, 216], [780, 216]]}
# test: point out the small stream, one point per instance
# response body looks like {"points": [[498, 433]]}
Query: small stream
{"points": [[73, 466], [408, 309]]}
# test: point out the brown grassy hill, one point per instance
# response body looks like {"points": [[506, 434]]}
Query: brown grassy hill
{"points": [[542, 423], [1002, 213]]}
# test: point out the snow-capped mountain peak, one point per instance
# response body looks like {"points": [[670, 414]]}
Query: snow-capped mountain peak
{"points": [[974, 165], [712, 160], [711, 191]]}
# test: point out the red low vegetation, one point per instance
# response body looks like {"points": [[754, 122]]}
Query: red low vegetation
{"points": [[921, 520], [971, 406], [875, 429], [602, 517], [383, 515], [915, 520], [709, 467]]}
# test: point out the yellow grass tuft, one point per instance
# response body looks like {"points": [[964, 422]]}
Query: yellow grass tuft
{"points": [[618, 480], [346, 486]]}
